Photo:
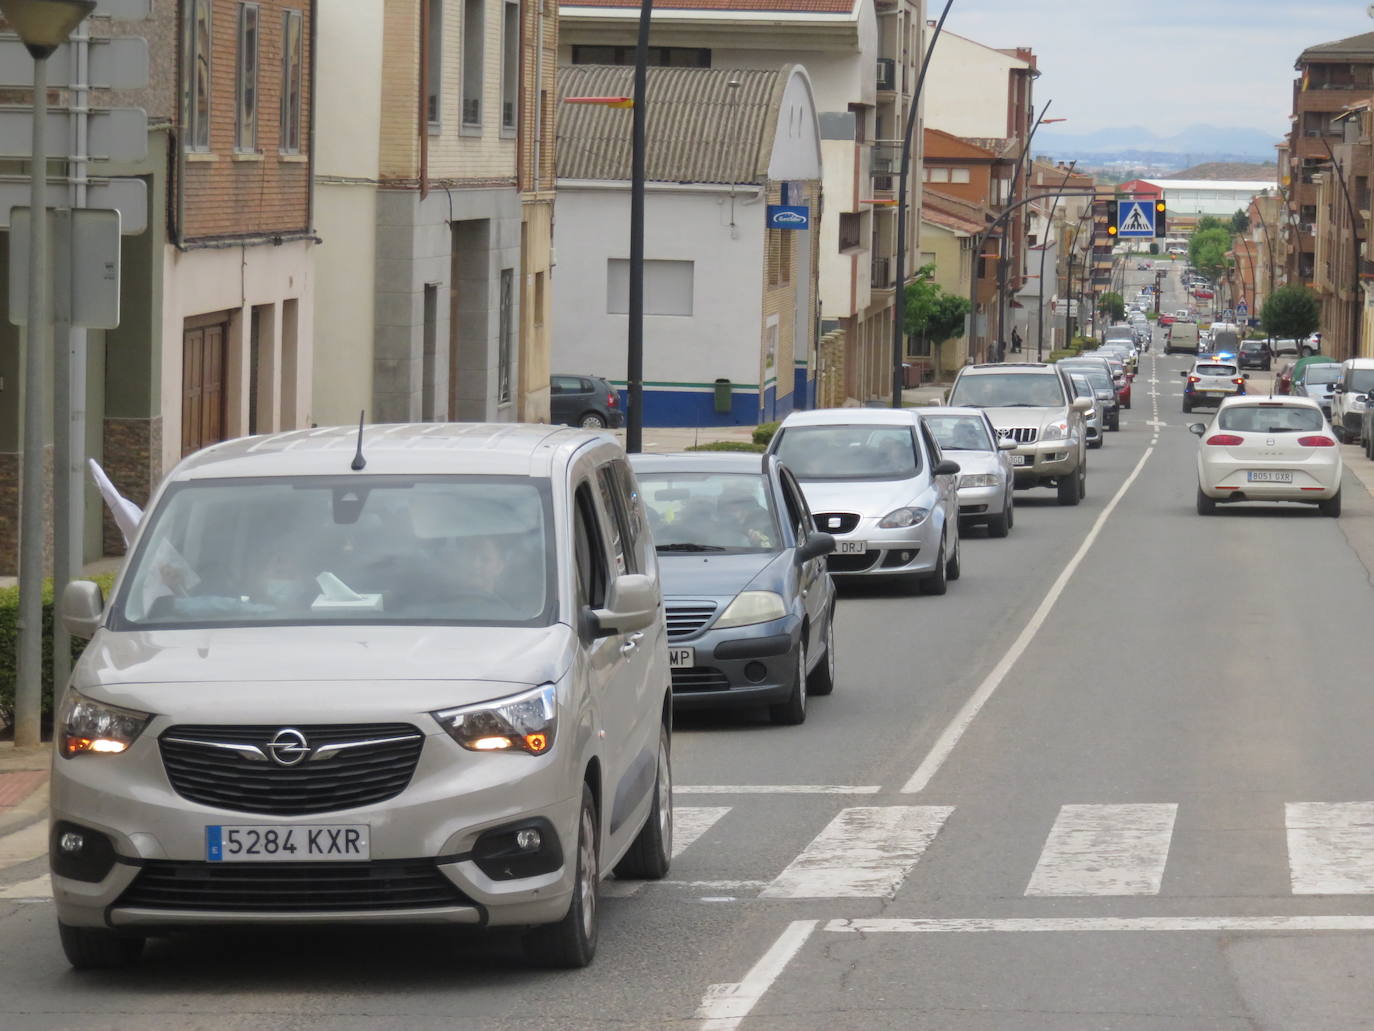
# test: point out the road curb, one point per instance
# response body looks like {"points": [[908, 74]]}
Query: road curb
{"points": [[30, 810]]}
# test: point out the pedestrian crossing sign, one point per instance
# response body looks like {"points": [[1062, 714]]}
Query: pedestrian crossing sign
{"points": [[1135, 218]]}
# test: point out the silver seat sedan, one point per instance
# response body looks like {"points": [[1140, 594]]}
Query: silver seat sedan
{"points": [[986, 480], [877, 481]]}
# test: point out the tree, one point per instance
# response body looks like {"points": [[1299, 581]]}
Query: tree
{"points": [[1113, 306], [1207, 250], [1291, 312], [931, 313], [1240, 222], [1154, 247], [1207, 222]]}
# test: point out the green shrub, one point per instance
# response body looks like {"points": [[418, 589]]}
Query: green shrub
{"points": [[763, 432], [9, 645], [1060, 354], [730, 445]]}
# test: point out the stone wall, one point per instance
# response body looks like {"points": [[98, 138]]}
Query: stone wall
{"points": [[133, 462]]}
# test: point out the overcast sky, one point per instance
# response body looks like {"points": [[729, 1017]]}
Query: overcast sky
{"points": [[1163, 65]]}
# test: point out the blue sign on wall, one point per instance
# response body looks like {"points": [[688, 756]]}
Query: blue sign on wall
{"points": [[788, 216]]}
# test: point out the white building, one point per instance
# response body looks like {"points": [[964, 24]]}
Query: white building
{"points": [[726, 296], [1193, 198]]}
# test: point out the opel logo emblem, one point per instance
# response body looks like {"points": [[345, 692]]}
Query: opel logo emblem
{"points": [[288, 747]]}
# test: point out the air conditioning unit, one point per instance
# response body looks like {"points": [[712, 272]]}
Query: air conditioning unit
{"points": [[883, 183], [887, 73]]}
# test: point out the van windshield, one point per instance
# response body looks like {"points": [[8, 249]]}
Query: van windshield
{"points": [[318, 551]]}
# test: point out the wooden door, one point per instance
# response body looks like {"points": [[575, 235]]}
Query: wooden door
{"points": [[202, 386]]}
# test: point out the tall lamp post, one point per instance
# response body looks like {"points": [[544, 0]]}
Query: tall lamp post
{"points": [[42, 26], [899, 300]]}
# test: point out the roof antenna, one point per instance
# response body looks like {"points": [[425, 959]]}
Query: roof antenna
{"points": [[359, 462]]}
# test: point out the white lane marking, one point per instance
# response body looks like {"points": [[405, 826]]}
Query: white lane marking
{"points": [[724, 1006], [865, 852], [1105, 850], [1331, 847], [949, 737], [775, 789], [1139, 923], [40, 889], [691, 822], [24, 845]]}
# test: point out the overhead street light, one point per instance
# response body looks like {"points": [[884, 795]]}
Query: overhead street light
{"points": [[42, 26]]}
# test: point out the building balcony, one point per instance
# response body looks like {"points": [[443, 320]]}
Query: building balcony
{"points": [[882, 274]]}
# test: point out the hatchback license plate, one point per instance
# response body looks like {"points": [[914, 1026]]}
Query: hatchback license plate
{"points": [[275, 843], [1269, 477], [682, 658], [851, 547]]}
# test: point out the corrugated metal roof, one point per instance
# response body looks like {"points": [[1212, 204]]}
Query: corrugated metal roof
{"points": [[700, 128]]}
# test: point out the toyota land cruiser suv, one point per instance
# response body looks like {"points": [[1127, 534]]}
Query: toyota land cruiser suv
{"points": [[1034, 405]]}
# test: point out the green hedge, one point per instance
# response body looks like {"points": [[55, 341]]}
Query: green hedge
{"points": [[9, 644], [1061, 354], [763, 433], [729, 445]]}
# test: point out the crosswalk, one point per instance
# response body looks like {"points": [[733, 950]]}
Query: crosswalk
{"points": [[873, 851]]}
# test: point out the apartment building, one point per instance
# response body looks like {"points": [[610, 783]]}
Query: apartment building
{"points": [[1343, 203], [862, 58]]}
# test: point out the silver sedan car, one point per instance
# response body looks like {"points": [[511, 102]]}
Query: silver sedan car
{"points": [[986, 479], [876, 480]]}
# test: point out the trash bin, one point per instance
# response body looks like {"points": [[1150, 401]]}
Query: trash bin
{"points": [[723, 397], [911, 375]]}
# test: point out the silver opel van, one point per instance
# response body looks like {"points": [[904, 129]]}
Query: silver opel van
{"points": [[413, 674]]}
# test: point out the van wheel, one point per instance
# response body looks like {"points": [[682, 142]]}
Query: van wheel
{"points": [[937, 582], [571, 943], [652, 850], [822, 680], [98, 948], [792, 712], [1068, 490]]}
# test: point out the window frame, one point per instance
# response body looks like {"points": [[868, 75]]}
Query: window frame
{"points": [[472, 70], [197, 97], [292, 132], [589, 550], [246, 87], [510, 67]]}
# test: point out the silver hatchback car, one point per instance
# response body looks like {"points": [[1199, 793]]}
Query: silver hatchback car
{"points": [[875, 479], [426, 684]]}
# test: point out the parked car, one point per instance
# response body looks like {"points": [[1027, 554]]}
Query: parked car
{"points": [[986, 482], [877, 481], [1317, 381], [750, 605], [587, 401], [1034, 405], [1203, 293], [1210, 381], [419, 640], [1288, 345], [1350, 397], [1268, 449], [1254, 354], [1166, 318]]}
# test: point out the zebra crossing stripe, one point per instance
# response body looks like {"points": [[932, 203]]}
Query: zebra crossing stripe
{"points": [[1331, 847], [865, 852], [691, 822], [1105, 850]]}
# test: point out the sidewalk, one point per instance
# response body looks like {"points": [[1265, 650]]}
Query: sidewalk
{"points": [[23, 785]]}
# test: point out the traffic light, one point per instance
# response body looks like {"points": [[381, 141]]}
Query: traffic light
{"points": [[1161, 212], [1112, 228]]}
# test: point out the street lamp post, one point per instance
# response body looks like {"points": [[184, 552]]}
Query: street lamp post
{"points": [[899, 300], [1040, 301], [42, 26]]}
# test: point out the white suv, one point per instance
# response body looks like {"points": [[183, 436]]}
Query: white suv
{"points": [[426, 684], [1350, 397]]}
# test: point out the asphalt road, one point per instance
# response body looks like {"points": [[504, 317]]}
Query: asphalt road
{"points": [[1118, 777]]}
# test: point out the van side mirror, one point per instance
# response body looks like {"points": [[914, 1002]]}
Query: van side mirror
{"points": [[632, 603], [815, 545], [1081, 404], [83, 604]]}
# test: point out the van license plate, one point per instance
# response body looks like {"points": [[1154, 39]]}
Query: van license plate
{"points": [[682, 658], [851, 547], [1269, 477], [275, 843], [1020, 460]]}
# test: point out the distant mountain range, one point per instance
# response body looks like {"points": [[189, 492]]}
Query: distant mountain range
{"points": [[1196, 143]]}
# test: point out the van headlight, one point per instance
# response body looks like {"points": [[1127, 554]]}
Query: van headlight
{"points": [[89, 727], [751, 607], [1054, 431], [521, 723], [903, 517]]}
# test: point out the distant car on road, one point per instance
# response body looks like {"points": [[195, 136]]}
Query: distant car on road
{"points": [[986, 480], [587, 401], [1254, 354], [1209, 382], [1268, 449]]}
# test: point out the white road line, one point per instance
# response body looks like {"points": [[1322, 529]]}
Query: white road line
{"points": [[863, 853], [1141, 923], [724, 1006], [691, 822], [1105, 850], [40, 888], [775, 789], [1331, 847], [949, 737]]}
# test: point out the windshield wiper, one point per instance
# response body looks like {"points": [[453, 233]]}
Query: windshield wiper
{"points": [[690, 547]]}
